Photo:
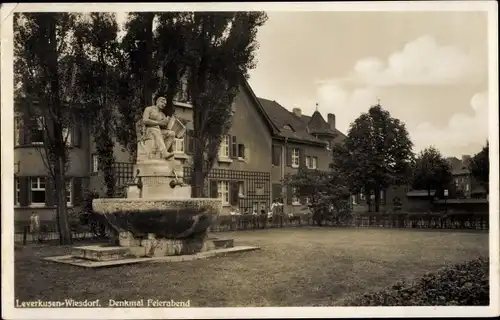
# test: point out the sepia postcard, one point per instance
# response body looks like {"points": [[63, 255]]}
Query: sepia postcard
{"points": [[249, 160]]}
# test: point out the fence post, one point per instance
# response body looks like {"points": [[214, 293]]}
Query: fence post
{"points": [[26, 230]]}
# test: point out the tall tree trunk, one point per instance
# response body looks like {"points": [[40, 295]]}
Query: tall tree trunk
{"points": [[55, 126], [369, 201], [62, 213], [377, 199], [147, 92], [198, 176]]}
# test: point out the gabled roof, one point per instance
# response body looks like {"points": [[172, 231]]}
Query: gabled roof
{"points": [[457, 166], [267, 120], [281, 117]]}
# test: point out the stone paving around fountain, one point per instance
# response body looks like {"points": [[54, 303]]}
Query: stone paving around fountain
{"points": [[121, 258]]}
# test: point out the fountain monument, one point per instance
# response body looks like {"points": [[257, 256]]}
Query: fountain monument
{"points": [[158, 218]]}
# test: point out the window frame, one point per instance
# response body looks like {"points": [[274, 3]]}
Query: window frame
{"points": [[224, 148], [94, 158], [41, 130], [328, 146], [37, 189], [295, 199], [17, 130], [295, 157], [69, 192], [68, 136], [179, 142], [223, 192], [17, 192]]}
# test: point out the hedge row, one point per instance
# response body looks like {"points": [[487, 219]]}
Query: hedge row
{"points": [[465, 284]]}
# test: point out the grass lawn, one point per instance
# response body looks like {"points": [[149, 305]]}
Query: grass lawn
{"points": [[295, 267]]}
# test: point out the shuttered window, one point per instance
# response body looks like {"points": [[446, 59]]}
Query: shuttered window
{"points": [[37, 190], [224, 147]]}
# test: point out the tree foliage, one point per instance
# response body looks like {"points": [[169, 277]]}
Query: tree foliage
{"points": [[377, 153], [431, 171], [327, 192], [209, 52], [98, 59], [65, 74], [480, 167]]}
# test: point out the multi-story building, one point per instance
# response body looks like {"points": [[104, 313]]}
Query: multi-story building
{"points": [[301, 140], [265, 142], [33, 190], [465, 184]]}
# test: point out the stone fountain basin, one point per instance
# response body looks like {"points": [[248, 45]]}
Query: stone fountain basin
{"points": [[165, 218]]}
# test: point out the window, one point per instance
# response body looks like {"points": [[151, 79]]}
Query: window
{"points": [[17, 194], [466, 187], [37, 130], [179, 146], [353, 199], [223, 191], [308, 162], [67, 136], [17, 127], [295, 157], [328, 146], [241, 189], [456, 182], [314, 162], [69, 191], [361, 196], [37, 191], [295, 199], [241, 151], [95, 163], [287, 127], [224, 147]]}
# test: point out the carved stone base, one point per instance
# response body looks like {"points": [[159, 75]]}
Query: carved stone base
{"points": [[151, 168], [156, 177], [160, 187]]}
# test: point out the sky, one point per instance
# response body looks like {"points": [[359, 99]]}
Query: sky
{"points": [[429, 69]]}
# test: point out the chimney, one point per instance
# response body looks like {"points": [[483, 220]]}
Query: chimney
{"points": [[297, 112], [331, 121]]}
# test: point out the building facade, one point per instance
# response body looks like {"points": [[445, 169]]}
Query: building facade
{"points": [[264, 143], [301, 141], [465, 186]]}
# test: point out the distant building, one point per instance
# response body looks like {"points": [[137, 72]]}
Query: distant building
{"points": [[465, 185]]}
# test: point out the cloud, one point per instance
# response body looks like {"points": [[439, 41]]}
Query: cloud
{"points": [[461, 132], [422, 61], [346, 104]]}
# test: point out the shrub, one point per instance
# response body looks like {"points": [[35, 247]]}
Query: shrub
{"points": [[465, 284]]}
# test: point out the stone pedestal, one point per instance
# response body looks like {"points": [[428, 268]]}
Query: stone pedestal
{"points": [[156, 177]]}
